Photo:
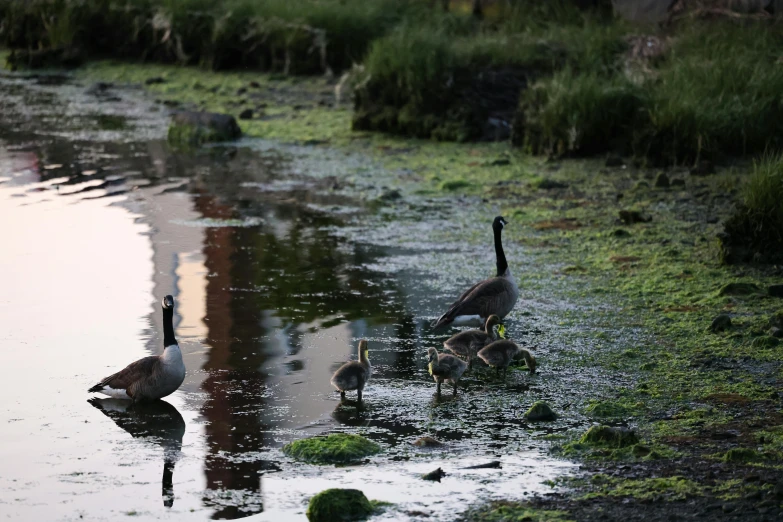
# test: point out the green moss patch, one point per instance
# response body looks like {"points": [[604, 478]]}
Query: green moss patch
{"points": [[606, 409], [540, 411], [339, 505], [668, 488], [337, 448], [609, 436], [516, 511]]}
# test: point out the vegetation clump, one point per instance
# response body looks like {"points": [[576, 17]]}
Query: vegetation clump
{"points": [[601, 435], [337, 448], [755, 230], [606, 409], [339, 505], [540, 411]]}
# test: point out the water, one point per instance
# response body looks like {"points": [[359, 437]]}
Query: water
{"points": [[277, 267]]}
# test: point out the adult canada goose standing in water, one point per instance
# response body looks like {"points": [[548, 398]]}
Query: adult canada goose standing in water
{"points": [[467, 343], [353, 375], [496, 295], [158, 422], [152, 377]]}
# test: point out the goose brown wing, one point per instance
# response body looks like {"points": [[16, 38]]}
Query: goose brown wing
{"points": [[482, 299], [130, 374]]}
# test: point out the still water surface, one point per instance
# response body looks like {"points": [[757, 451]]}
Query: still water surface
{"points": [[277, 269]]}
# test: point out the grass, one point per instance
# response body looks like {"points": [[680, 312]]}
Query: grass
{"points": [[755, 230]]}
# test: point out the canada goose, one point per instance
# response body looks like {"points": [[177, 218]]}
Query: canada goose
{"points": [[466, 344], [444, 367], [159, 422], [496, 295], [354, 375], [152, 377], [499, 355]]}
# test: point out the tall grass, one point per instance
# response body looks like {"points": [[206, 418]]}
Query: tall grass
{"points": [[719, 92], [756, 227]]}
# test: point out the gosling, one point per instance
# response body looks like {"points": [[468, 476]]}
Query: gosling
{"points": [[444, 367], [354, 375], [500, 354], [466, 344]]}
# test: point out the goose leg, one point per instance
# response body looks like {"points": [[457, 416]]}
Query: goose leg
{"points": [[455, 388], [359, 392], [342, 395], [438, 387]]}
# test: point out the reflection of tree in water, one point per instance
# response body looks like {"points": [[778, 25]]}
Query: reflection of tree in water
{"points": [[286, 272], [158, 421]]}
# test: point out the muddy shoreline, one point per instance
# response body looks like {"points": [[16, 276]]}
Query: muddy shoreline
{"points": [[691, 395]]}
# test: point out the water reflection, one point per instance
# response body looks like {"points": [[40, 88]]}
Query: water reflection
{"points": [[273, 292], [159, 422]]}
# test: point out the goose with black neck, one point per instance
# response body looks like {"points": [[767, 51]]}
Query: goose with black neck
{"points": [[493, 296], [153, 377]]}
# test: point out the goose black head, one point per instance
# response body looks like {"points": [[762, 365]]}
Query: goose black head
{"points": [[168, 302], [499, 223]]}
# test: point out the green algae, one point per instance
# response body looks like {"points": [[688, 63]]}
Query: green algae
{"points": [[607, 409], [339, 504], [540, 411], [337, 448], [501, 511], [607, 436], [665, 488]]}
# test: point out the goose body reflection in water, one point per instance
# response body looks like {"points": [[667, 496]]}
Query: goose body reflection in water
{"points": [[157, 421]]}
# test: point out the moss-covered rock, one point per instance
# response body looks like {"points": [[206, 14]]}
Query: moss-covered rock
{"points": [[739, 289], [333, 505], [540, 411], [742, 455], [191, 129], [337, 448], [609, 436]]}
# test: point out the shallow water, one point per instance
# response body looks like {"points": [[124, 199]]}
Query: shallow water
{"points": [[277, 268]]}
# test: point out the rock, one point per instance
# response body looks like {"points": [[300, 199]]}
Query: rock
{"points": [[98, 88], [630, 217], [662, 180], [540, 411], [254, 85], [609, 436], [677, 182], [640, 450], [765, 341], [614, 161], [621, 232], [390, 195], [434, 476], [337, 448], [720, 323], [548, 184], [776, 332], [500, 162], [338, 504], [495, 464], [241, 91], [247, 114], [427, 442], [775, 290], [154, 80], [192, 128], [703, 168], [739, 289]]}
